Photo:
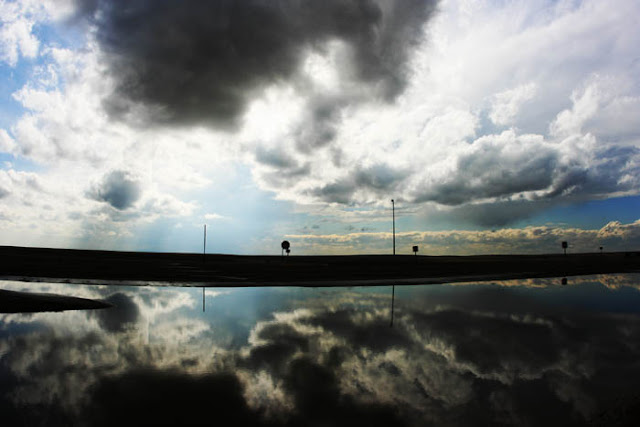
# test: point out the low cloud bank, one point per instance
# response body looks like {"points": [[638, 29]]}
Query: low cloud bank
{"points": [[614, 236]]}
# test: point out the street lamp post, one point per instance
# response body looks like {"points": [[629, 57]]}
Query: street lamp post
{"points": [[393, 210], [204, 244]]}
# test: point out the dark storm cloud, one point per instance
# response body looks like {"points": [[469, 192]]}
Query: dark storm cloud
{"points": [[286, 177], [602, 178], [496, 214], [118, 189], [379, 179], [276, 158], [490, 172], [318, 128], [503, 172], [336, 192], [201, 61]]}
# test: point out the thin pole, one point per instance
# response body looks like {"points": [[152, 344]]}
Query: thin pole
{"points": [[204, 243], [203, 299], [393, 209]]}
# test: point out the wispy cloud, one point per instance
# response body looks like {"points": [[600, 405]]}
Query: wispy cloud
{"points": [[215, 217]]}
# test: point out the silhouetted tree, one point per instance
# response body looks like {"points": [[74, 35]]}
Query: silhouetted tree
{"points": [[285, 247]]}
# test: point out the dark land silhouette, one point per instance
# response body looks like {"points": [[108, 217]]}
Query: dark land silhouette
{"points": [[26, 302], [238, 270]]}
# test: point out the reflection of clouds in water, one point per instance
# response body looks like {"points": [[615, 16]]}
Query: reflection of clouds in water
{"points": [[501, 348], [617, 281], [336, 356], [440, 359], [130, 303], [68, 353], [529, 283], [123, 313], [614, 281], [149, 397]]}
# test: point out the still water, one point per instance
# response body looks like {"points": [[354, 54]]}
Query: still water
{"points": [[526, 352]]}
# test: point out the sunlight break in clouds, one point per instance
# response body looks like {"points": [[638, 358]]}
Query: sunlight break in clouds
{"points": [[469, 114]]}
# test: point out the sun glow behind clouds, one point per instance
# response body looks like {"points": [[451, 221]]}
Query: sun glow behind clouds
{"points": [[482, 114]]}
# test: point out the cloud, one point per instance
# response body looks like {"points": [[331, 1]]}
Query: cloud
{"points": [[570, 122], [215, 217], [276, 157], [506, 105], [7, 144], [436, 134], [614, 236], [495, 166], [165, 205], [118, 188], [213, 57], [362, 183], [16, 32], [18, 26], [494, 214], [483, 112], [26, 187]]}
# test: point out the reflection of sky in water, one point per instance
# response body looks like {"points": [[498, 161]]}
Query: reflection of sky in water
{"points": [[517, 352]]}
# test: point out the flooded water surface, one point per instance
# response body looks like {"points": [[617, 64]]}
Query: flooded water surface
{"points": [[528, 352]]}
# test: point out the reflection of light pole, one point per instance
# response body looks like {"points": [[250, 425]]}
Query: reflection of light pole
{"points": [[393, 210], [393, 298]]}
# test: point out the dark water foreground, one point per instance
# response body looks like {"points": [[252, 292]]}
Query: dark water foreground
{"points": [[527, 352]]}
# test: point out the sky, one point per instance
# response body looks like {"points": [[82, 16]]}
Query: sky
{"points": [[496, 126]]}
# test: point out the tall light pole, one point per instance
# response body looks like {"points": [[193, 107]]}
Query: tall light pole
{"points": [[393, 288], [204, 255], [393, 210], [204, 243]]}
